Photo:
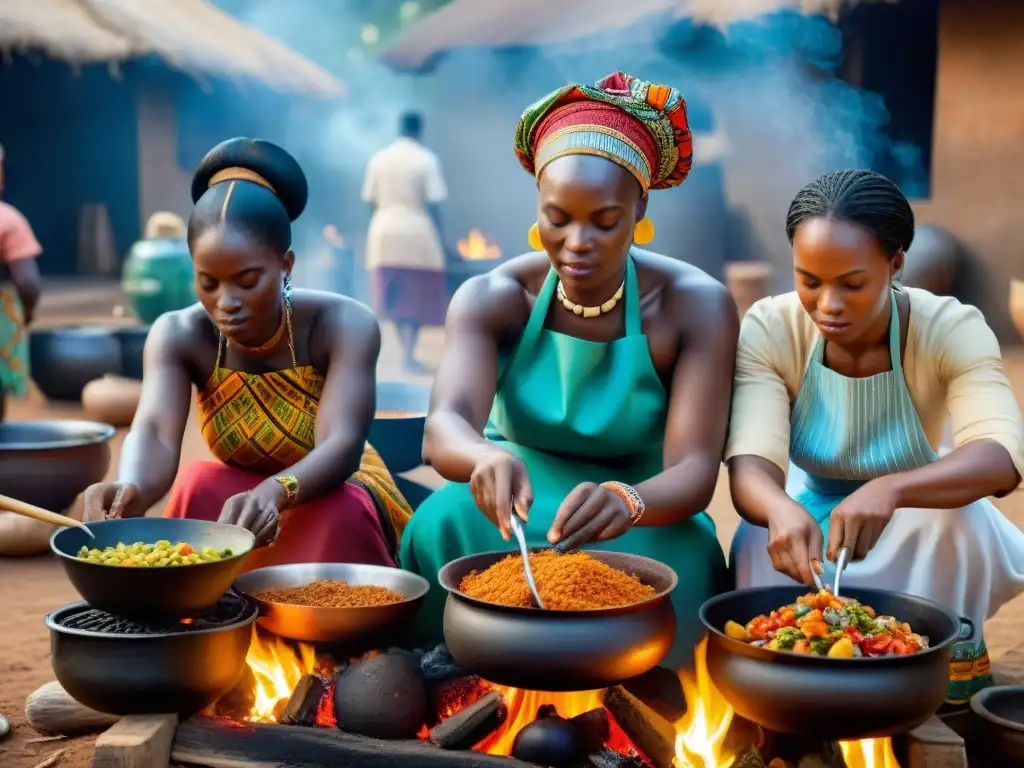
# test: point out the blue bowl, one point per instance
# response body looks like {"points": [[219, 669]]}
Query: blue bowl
{"points": [[398, 438]]}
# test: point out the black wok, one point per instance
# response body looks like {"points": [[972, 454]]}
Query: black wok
{"points": [[140, 592], [559, 650], [141, 674], [832, 698]]}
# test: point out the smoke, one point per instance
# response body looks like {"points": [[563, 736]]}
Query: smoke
{"points": [[768, 85]]}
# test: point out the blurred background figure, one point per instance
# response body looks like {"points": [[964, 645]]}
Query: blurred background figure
{"points": [[404, 187], [20, 287]]}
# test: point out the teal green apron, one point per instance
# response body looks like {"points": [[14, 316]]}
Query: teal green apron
{"points": [[601, 407]]}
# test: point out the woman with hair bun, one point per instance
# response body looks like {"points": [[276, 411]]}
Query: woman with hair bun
{"points": [[852, 378], [286, 385]]}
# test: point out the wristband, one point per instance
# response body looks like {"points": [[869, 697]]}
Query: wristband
{"points": [[632, 499], [290, 483]]}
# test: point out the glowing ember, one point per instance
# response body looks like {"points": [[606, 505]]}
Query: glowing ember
{"points": [[476, 247]]}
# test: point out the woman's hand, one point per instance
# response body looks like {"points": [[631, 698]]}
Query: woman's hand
{"points": [[104, 500], [589, 513], [498, 479], [859, 519], [258, 510], [794, 541]]}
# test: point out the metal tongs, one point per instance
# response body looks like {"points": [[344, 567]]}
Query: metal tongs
{"points": [[517, 530], [841, 562]]}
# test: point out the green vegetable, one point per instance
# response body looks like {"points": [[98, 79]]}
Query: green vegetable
{"points": [[859, 619], [786, 637], [820, 645]]}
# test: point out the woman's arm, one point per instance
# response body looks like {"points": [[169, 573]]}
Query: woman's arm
{"points": [[20, 251], [480, 315], [152, 449], [347, 403], [28, 283], [984, 414], [698, 412]]}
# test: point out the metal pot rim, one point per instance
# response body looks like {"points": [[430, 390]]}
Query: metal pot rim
{"points": [[52, 617], [649, 603], [115, 521], [808, 660], [101, 434], [423, 586], [978, 706]]}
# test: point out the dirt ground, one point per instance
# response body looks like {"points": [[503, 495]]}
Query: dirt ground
{"points": [[30, 588]]}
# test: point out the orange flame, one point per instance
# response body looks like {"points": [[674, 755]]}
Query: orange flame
{"points": [[476, 247], [277, 666], [869, 753], [701, 732]]}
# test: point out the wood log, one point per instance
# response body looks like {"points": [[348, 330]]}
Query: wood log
{"points": [[138, 741], [934, 744], [650, 732], [222, 744], [472, 724], [50, 709], [304, 702], [593, 727]]}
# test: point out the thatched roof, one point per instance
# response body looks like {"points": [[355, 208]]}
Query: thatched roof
{"points": [[190, 35], [487, 24]]}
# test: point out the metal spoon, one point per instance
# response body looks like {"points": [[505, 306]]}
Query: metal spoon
{"points": [[517, 531], [841, 562], [815, 576]]}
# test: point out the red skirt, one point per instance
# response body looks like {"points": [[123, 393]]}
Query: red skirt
{"points": [[418, 296], [341, 527]]}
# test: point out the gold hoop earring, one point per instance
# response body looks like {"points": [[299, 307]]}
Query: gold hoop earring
{"points": [[533, 237], [643, 233]]}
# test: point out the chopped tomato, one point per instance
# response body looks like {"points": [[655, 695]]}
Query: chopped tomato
{"points": [[802, 646], [876, 644], [185, 549], [854, 634], [900, 647], [758, 628]]}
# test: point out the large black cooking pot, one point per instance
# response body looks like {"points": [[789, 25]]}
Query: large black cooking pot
{"points": [[147, 592], [48, 463], [832, 698], [559, 650], [140, 674], [63, 360], [397, 428]]}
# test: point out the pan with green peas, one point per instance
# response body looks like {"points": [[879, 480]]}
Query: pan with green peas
{"points": [[162, 554]]}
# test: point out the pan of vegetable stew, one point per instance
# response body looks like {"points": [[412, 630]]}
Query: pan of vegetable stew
{"points": [[872, 663]]}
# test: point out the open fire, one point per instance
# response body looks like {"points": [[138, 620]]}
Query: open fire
{"points": [[476, 247], [705, 736]]}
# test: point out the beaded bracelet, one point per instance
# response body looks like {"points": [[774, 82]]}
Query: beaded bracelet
{"points": [[632, 499]]}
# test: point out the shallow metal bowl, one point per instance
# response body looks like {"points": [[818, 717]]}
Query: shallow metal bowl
{"points": [[333, 625], [560, 650]]}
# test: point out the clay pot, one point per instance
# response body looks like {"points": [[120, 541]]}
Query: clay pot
{"points": [[23, 536], [932, 260], [63, 360], [1017, 305], [112, 400], [748, 282]]}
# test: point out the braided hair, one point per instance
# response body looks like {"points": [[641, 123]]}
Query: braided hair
{"points": [[253, 187], [861, 197]]}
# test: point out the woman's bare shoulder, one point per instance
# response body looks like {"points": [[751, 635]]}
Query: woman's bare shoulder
{"points": [[500, 299]]}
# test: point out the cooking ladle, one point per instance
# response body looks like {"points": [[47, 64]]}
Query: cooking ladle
{"points": [[517, 531], [42, 515]]}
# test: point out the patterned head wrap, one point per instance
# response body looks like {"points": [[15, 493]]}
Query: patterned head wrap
{"points": [[639, 125]]}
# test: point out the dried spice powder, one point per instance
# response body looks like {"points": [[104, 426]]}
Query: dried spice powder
{"points": [[566, 582], [331, 594]]}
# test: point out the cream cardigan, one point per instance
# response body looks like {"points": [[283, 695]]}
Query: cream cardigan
{"points": [[952, 365]]}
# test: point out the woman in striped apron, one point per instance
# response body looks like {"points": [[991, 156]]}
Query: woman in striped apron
{"points": [[851, 378]]}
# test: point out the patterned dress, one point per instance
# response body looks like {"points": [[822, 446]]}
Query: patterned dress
{"points": [[258, 425]]}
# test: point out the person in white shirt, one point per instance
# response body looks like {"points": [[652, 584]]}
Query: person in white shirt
{"points": [[404, 187]]}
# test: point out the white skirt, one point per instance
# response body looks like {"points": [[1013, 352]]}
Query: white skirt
{"points": [[970, 560]]}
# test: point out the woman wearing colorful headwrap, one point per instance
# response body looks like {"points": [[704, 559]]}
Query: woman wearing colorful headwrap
{"points": [[286, 385], [586, 382]]}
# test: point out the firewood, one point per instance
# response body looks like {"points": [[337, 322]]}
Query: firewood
{"points": [[50, 709], [471, 724], [304, 702], [593, 727], [653, 735], [137, 741], [219, 744]]}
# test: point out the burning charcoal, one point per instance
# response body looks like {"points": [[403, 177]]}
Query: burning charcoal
{"points": [[304, 702], [609, 758], [660, 689], [593, 728], [472, 724], [653, 735], [438, 666], [552, 741], [412, 657], [382, 697]]}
